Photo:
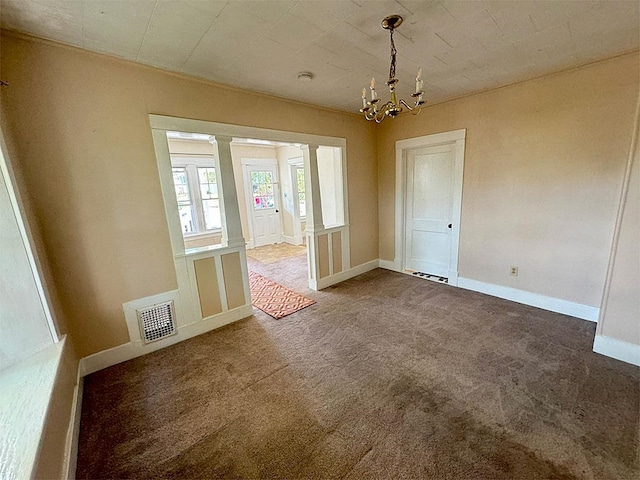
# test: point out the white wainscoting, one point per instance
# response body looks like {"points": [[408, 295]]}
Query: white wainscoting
{"points": [[127, 351], [345, 275]]}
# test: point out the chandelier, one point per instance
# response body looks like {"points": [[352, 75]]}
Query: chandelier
{"points": [[372, 109]]}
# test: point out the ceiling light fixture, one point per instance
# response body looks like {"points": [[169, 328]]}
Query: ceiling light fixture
{"points": [[392, 108], [305, 76]]}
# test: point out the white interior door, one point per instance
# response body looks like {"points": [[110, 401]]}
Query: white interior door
{"points": [[429, 209], [264, 196]]}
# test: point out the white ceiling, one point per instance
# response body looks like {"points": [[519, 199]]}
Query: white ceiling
{"points": [[462, 46]]}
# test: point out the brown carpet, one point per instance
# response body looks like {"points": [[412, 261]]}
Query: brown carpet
{"points": [[388, 377]]}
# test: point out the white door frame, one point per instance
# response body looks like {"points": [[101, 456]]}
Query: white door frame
{"points": [[160, 124], [246, 182], [293, 164], [457, 139]]}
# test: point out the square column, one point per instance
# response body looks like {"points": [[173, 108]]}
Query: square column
{"points": [[315, 223], [312, 187], [229, 210]]}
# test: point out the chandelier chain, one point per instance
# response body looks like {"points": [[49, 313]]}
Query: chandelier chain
{"points": [[392, 68], [376, 110]]}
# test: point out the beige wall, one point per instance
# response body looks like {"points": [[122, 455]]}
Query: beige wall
{"points": [[50, 460], [84, 146], [620, 318], [543, 168]]}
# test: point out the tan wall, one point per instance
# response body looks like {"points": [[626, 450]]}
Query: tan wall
{"points": [[33, 227], [621, 307], [51, 455], [543, 167], [84, 146]]}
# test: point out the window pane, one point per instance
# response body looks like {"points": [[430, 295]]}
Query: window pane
{"points": [[186, 219], [182, 194], [179, 176], [269, 201], [212, 218], [181, 186], [300, 178], [208, 185], [209, 191], [257, 202], [207, 175], [303, 206]]}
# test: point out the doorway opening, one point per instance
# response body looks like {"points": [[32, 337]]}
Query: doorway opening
{"points": [[429, 174], [228, 187]]}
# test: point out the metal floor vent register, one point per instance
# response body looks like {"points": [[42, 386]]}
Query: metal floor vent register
{"points": [[433, 278], [157, 322]]}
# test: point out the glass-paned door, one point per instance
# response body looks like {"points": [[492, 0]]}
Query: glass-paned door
{"points": [[265, 218]]}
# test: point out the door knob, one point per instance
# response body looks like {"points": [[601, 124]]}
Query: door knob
{"points": [[278, 211], [449, 225]]}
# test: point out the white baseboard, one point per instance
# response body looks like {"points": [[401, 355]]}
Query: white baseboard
{"points": [[289, 240], [389, 265], [347, 274], [127, 351], [585, 312], [618, 349]]}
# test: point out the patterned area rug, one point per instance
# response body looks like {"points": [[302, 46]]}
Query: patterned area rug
{"points": [[274, 299]]}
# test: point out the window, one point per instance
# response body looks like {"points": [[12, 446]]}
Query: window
{"points": [[209, 197], [196, 187], [301, 194], [181, 184], [262, 190]]}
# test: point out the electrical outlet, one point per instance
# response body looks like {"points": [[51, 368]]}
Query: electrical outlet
{"points": [[513, 271]]}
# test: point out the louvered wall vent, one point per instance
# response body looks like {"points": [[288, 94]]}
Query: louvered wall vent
{"points": [[157, 322]]}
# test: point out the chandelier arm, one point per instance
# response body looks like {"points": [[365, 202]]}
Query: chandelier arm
{"points": [[377, 115], [417, 106]]}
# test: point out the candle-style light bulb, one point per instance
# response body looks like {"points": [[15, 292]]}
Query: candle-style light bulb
{"points": [[364, 98], [419, 81], [374, 95]]}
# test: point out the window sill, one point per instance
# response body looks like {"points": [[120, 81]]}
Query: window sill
{"points": [[208, 233], [196, 250], [26, 391]]}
